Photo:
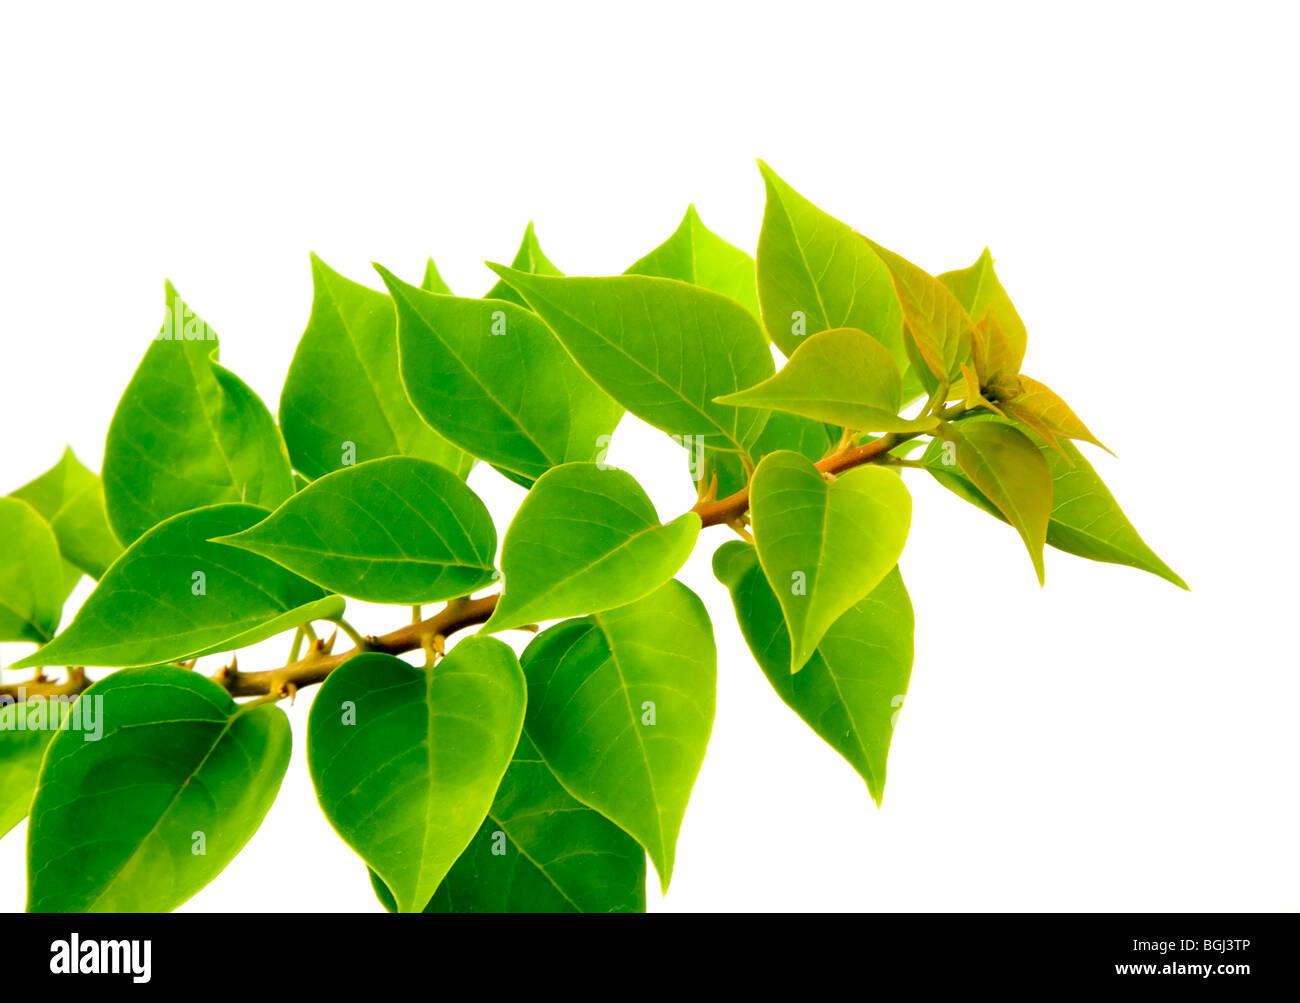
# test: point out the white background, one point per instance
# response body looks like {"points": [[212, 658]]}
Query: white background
{"points": [[1108, 742]]}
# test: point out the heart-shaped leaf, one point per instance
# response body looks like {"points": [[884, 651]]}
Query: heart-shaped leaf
{"points": [[396, 530], [586, 539], [188, 433], [406, 761], [661, 348], [529, 258], [32, 583], [824, 546], [142, 816], [539, 851], [343, 401], [490, 377], [1086, 520], [979, 290], [851, 689], [697, 255], [1011, 472], [25, 730], [174, 595], [842, 376], [620, 705]]}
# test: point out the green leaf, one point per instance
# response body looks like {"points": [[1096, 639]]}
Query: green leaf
{"points": [[842, 376], [782, 431], [178, 766], [851, 689], [25, 730], [343, 401], [661, 348], [32, 585], [824, 545], [85, 538], [529, 258], [979, 290], [188, 433], [1038, 408], [697, 255], [49, 492], [540, 851], [620, 705], [938, 326], [432, 282], [1011, 472], [406, 760], [489, 376], [586, 539], [816, 273], [174, 595], [1086, 520], [396, 530]]}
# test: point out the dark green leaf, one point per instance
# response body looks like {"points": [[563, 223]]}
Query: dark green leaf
{"points": [[586, 539], [696, 254], [142, 817], [850, 691], [661, 348], [489, 376], [824, 545], [343, 401], [188, 433], [25, 730], [406, 760], [396, 530], [174, 595], [620, 705]]}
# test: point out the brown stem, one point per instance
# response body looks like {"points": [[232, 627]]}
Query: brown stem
{"points": [[42, 687]]}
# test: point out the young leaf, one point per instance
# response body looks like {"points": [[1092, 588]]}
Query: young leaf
{"points": [[824, 546], [1086, 520], [697, 255], [586, 539], [174, 595], [25, 730], [406, 760], [1010, 471], [489, 376], [1039, 409], [32, 584], [188, 433], [979, 290], [938, 325], [783, 430], [529, 258], [343, 401], [397, 530], [85, 538], [844, 377], [661, 348], [816, 273], [620, 705], [850, 690], [141, 818], [49, 492], [539, 851]]}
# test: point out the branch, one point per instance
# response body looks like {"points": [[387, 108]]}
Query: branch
{"points": [[75, 682]]}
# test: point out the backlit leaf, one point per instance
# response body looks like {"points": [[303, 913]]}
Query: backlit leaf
{"points": [[396, 530], [406, 760], [116, 821], [1034, 405], [620, 705], [586, 539], [663, 349], [174, 595], [343, 401], [32, 583], [490, 377], [979, 290], [696, 254], [783, 431], [188, 433], [529, 258], [851, 689], [25, 730]]}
